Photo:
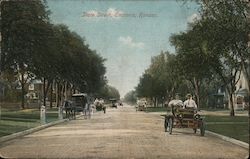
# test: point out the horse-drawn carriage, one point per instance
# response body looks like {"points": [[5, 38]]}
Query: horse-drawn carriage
{"points": [[141, 105], [114, 102], [179, 117], [75, 105]]}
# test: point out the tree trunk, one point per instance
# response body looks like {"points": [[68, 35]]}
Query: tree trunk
{"points": [[230, 91], [231, 104], [62, 93], [23, 91], [44, 92], [162, 101], [57, 94], [197, 92], [51, 95], [23, 96], [155, 101], [65, 91]]}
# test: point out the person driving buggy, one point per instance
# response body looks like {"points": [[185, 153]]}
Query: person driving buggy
{"points": [[174, 103]]}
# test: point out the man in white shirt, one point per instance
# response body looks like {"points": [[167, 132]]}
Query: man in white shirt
{"points": [[190, 103], [176, 102]]}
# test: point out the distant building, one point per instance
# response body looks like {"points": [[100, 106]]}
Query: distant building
{"points": [[241, 95], [34, 90]]}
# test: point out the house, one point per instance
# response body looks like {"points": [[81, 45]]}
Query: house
{"points": [[241, 95], [34, 90]]}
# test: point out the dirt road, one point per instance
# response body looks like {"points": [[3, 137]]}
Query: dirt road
{"points": [[121, 133]]}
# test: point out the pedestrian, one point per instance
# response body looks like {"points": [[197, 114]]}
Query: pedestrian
{"points": [[103, 106], [190, 103], [86, 108]]}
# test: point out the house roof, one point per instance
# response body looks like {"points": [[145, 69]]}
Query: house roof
{"points": [[242, 92], [79, 95], [36, 81]]}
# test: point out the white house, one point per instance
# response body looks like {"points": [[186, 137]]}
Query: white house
{"points": [[241, 94]]}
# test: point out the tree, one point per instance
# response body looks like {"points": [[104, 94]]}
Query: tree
{"points": [[145, 86], [130, 97], [192, 58], [108, 92], [226, 27], [23, 29], [34, 48], [161, 81], [157, 72]]}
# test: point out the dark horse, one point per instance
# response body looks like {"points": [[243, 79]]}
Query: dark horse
{"points": [[69, 109]]}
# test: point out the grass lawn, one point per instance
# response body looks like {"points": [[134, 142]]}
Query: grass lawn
{"points": [[236, 127], [13, 121], [228, 118]]}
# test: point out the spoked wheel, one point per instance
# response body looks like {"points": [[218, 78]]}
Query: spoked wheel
{"points": [[170, 125], [202, 128], [166, 124]]}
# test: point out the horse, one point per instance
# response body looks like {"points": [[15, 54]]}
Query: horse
{"points": [[68, 107]]}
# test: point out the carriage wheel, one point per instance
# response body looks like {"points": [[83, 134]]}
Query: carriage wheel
{"points": [[170, 125], [202, 128], [166, 124]]}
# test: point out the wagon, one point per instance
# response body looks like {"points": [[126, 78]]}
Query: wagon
{"points": [[75, 105], [113, 102], [141, 105], [184, 118]]}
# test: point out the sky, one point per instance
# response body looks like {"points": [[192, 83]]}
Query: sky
{"points": [[127, 33]]}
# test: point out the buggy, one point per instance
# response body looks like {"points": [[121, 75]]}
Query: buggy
{"points": [[75, 105], [184, 118], [113, 102], [141, 105]]}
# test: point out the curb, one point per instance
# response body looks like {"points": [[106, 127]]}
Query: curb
{"points": [[229, 139], [32, 130]]}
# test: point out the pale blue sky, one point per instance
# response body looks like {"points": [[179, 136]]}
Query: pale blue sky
{"points": [[125, 39]]}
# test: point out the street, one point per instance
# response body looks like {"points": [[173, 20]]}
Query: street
{"points": [[120, 133]]}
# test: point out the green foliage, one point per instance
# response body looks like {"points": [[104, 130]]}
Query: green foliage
{"points": [[215, 45], [23, 29], [24, 32], [236, 131], [145, 86], [20, 120], [235, 127], [107, 92], [225, 28], [32, 48], [162, 80], [130, 97]]}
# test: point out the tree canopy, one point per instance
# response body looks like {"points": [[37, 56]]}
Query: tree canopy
{"points": [[33, 47]]}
